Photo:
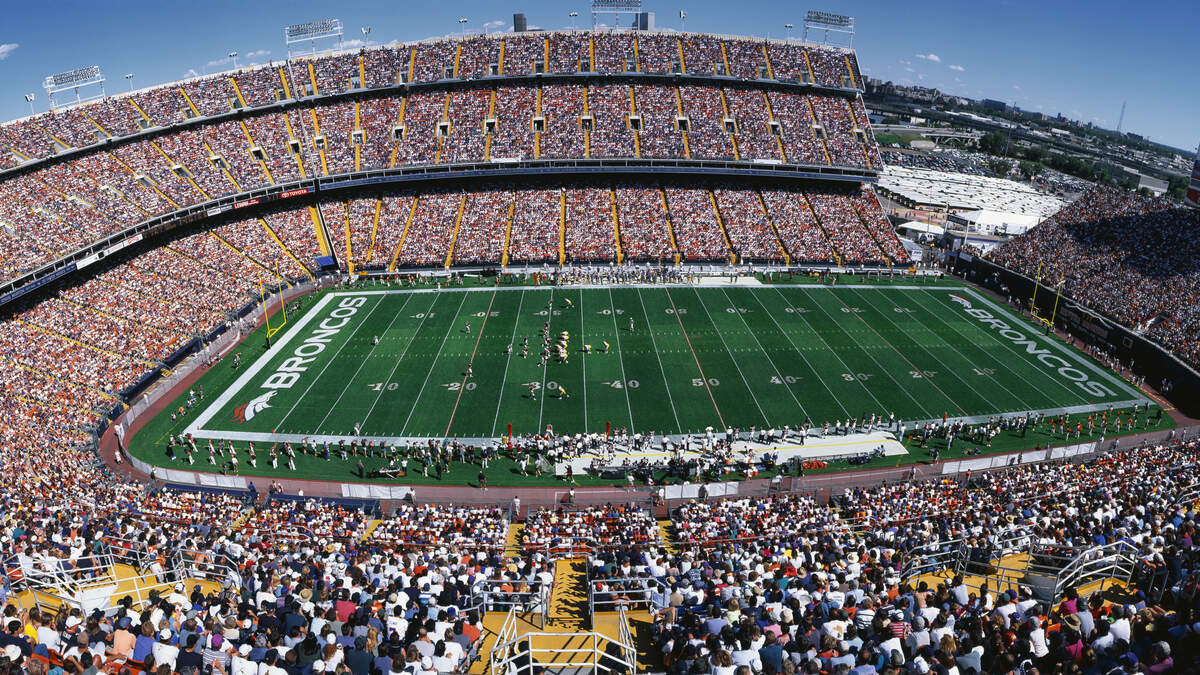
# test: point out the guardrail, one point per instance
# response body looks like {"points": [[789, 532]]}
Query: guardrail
{"points": [[623, 593], [528, 598], [514, 653]]}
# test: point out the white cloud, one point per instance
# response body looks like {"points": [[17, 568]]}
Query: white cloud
{"points": [[250, 57], [909, 70], [7, 48], [1017, 87], [358, 44], [905, 62], [920, 76], [930, 57], [492, 25], [191, 72], [958, 68]]}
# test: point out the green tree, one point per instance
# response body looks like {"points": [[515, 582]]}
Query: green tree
{"points": [[993, 143], [1030, 169]]}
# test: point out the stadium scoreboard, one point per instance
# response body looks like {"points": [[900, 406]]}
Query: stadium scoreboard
{"points": [[1193, 191]]}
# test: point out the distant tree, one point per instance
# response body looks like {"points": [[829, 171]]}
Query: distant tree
{"points": [[993, 143], [1030, 169]]}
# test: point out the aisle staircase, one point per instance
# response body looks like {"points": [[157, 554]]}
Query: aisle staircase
{"points": [[569, 599]]}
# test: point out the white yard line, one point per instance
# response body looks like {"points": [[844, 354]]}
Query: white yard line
{"points": [[729, 353], [946, 367], [362, 363], [666, 382], [829, 349], [778, 373], [886, 371], [512, 346], [362, 322], [816, 373], [403, 353], [259, 364], [544, 393], [433, 365], [621, 360], [583, 362]]}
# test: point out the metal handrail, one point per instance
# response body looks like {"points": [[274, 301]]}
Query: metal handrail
{"points": [[1097, 561]]}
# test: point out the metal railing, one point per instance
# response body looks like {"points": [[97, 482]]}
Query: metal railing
{"points": [[623, 593], [515, 653], [529, 598], [1117, 560]]}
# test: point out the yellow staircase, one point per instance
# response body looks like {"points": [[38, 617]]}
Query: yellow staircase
{"points": [[569, 600]]}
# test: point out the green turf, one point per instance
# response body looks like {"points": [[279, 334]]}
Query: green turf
{"points": [[697, 356]]}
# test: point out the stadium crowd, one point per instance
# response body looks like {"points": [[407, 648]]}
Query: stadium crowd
{"points": [[1135, 259]]}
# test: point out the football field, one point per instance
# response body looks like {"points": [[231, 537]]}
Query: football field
{"points": [[678, 359]]}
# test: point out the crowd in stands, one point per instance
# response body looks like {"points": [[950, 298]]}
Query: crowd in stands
{"points": [[1133, 258], [464, 527], [57, 209], [788, 584], [484, 227], [600, 527], [645, 232]]}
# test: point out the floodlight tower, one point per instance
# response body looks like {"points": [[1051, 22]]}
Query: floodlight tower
{"points": [[74, 80], [824, 21], [614, 7]]}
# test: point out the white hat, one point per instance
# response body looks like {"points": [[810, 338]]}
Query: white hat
{"points": [[244, 650], [13, 652], [73, 621], [164, 634]]}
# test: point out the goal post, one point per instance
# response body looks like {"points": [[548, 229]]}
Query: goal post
{"points": [[262, 294]]}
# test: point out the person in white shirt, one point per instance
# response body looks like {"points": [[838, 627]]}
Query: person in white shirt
{"points": [[164, 652]]}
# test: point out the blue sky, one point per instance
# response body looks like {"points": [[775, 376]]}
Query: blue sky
{"points": [[1081, 59]]}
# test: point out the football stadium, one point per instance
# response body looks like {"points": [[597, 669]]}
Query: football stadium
{"points": [[529, 351]]}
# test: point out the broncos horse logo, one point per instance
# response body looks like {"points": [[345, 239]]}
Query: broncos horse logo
{"points": [[960, 300], [247, 411]]}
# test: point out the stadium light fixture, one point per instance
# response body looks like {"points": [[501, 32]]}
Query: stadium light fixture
{"points": [[573, 15], [366, 30], [462, 22], [682, 21], [788, 26], [825, 21], [129, 79], [233, 55], [29, 99]]}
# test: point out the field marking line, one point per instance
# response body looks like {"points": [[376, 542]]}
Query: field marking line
{"points": [[507, 362], [328, 363], [900, 354], [778, 373], [433, 364], [703, 377], [412, 338], [800, 353], [366, 358], [1054, 344], [886, 372], [828, 348], [583, 363], [661, 368], [938, 359], [542, 399], [995, 361], [259, 364], [1020, 355], [487, 313], [621, 360]]}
